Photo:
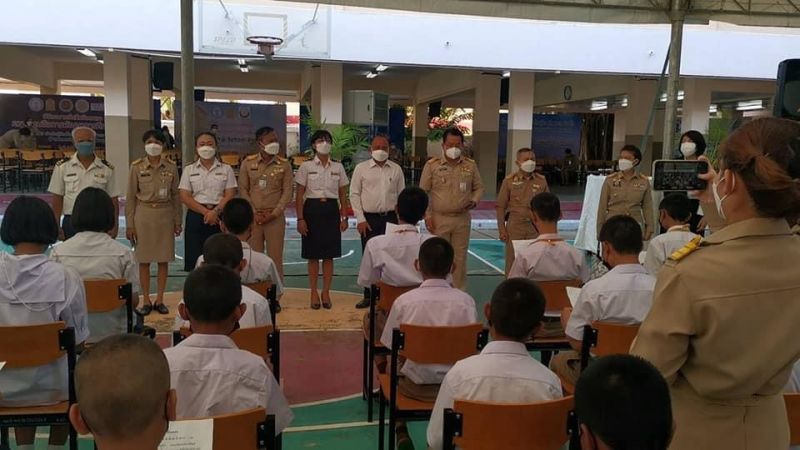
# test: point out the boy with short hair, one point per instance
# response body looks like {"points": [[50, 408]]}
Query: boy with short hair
{"points": [[210, 374], [123, 415], [675, 212]]}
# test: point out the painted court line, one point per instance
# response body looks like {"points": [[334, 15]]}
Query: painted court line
{"points": [[324, 402], [348, 254], [332, 426], [500, 271]]}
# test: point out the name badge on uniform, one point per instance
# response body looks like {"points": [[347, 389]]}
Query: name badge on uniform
{"points": [[162, 192], [462, 186], [262, 183]]}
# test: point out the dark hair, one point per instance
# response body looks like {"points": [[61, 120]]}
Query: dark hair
{"points": [[633, 149], [517, 308], [206, 133], [262, 131], [698, 139], [164, 128], [223, 249], [524, 150], [412, 204], [29, 219], [319, 134], [678, 206], [765, 153], [547, 206], [436, 257], [623, 233], [453, 131], [93, 211], [211, 293], [625, 402], [157, 134], [237, 215], [25, 131]]}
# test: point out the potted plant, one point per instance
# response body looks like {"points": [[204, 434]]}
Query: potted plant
{"points": [[448, 118], [348, 139]]}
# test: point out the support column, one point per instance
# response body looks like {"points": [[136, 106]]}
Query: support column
{"points": [[520, 115], [486, 130], [640, 102], [420, 131], [620, 129], [187, 80], [326, 93], [677, 14], [696, 102], [128, 110], [45, 90]]}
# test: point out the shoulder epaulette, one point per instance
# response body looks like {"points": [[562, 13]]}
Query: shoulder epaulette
{"points": [[432, 159], [282, 159], [107, 164], [252, 157], [469, 159], [137, 161], [686, 250], [62, 161]]}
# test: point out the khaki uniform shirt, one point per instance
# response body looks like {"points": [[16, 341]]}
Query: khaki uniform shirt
{"points": [[70, 177], [267, 185], [627, 196], [451, 187], [153, 184], [516, 193], [723, 332]]}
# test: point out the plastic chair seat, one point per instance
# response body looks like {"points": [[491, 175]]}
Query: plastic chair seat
{"points": [[403, 403]]}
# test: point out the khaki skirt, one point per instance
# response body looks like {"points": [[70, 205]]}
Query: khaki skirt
{"points": [[155, 233]]}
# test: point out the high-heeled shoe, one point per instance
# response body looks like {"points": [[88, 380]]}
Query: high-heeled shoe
{"points": [[315, 305], [329, 303]]}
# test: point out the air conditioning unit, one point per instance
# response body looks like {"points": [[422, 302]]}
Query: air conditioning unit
{"points": [[366, 108]]}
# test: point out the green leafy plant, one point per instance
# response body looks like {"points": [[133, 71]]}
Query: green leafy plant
{"points": [[348, 139], [448, 118]]}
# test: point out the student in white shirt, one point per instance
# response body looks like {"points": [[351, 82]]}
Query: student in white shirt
{"points": [[623, 295], [36, 290], [133, 414], [504, 371], [210, 374], [675, 212], [549, 257], [97, 256], [226, 250], [623, 402]]}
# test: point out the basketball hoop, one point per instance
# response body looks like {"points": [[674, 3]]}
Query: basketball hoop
{"points": [[266, 44]]}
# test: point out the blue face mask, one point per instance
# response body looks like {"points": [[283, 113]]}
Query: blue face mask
{"points": [[85, 148]]}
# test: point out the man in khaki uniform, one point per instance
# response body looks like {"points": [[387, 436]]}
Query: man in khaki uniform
{"points": [[265, 179], [628, 193], [514, 202], [455, 187]]}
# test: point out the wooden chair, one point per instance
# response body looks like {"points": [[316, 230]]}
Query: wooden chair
{"points": [[555, 293], [9, 169], [424, 345], [383, 295], [34, 346], [793, 414], [231, 159], [270, 292], [103, 296], [247, 430], [546, 425], [32, 165]]}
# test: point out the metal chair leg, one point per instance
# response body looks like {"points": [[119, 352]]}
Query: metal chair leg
{"points": [[73, 438], [4, 441], [364, 392], [381, 419], [370, 378]]}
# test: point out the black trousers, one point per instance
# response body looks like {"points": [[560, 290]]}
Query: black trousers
{"points": [[195, 236], [377, 223], [66, 225]]}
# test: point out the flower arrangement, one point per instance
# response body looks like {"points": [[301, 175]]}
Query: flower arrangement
{"points": [[449, 118]]}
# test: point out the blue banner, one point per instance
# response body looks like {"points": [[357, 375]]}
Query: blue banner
{"points": [[552, 133], [53, 116]]}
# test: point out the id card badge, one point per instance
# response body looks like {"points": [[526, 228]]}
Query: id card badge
{"points": [[462, 186], [162, 192], [262, 183]]}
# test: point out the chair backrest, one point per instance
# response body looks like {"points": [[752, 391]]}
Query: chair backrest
{"points": [[793, 414], [231, 159], [439, 345], [32, 156], [534, 426], [269, 292], [387, 294], [606, 338], [246, 430], [11, 154], [104, 296], [555, 293], [35, 345], [262, 287]]}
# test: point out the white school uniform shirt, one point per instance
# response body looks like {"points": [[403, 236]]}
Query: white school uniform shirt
{"points": [[96, 256], [435, 304], [213, 377], [260, 267], [664, 245], [550, 258], [35, 290], [503, 372], [374, 188], [390, 258], [207, 186], [623, 295], [794, 380], [70, 177], [257, 313], [321, 180]]}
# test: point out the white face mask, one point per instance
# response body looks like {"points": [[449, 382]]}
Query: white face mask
{"points": [[453, 152], [380, 155], [153, 149], [324, 148], [688, 149], [528, 166], [206, 152], [625, 164], [717, 199], [272, 148]]}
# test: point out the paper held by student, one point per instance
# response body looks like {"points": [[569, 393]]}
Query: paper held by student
{"points": [[189, 435]]}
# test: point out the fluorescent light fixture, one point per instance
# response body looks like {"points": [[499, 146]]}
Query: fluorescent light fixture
{"points": [[241, 61], [244, 68], [599, 105], [503, 111], [713, 109], [750, 105], [506, 73], [664, 96], [256, 102], [381, 68], [372, 74], [624, 102], [87, 52]]}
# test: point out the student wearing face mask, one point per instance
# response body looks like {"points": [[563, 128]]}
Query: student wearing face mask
{"points": [[514, 200], [628, 193], [374, 189], [72, 175], [153, 215], [206, 185], [723, 326], [265, 180]]}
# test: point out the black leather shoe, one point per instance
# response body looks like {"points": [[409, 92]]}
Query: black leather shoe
{"points": [[363, 304]]}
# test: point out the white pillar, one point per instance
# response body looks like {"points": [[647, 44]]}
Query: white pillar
{"points": [[520, 115], [696, 102], [326, 93], [620, 129], [486, 130], [45, 90], [128, 110], [640, 102]]}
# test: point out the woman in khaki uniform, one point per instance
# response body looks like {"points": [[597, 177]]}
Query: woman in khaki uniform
{"points": [[153, 216], [723, 325], [627, 193]]}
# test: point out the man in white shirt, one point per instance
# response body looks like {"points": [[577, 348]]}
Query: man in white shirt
{"points": [[18, 138], [623, 295], [504, 372], [548, 257], [226, 250], [374, 189], [675, 212], [210, 374]]}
